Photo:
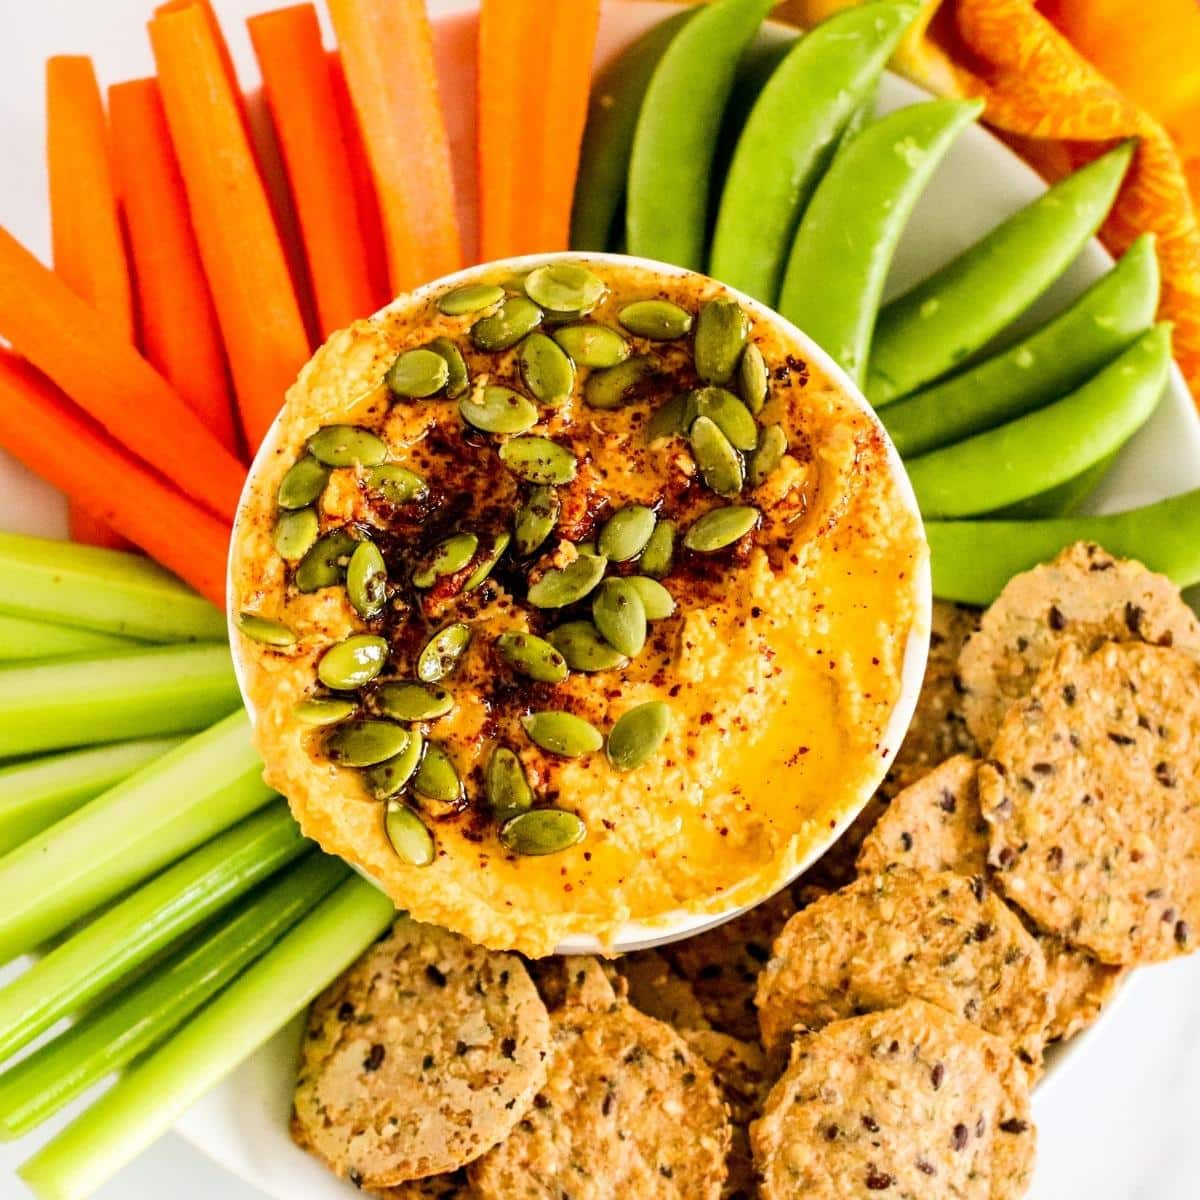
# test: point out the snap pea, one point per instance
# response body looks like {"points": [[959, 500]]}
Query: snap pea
{"points": [[929, 330], [1063, 500], [847, 237], [1052, 361], [1048, 447], [790, 137]]}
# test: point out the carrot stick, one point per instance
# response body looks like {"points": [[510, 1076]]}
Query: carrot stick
{"points": [[55, 439], [239, 242], [180, 335], [387, 51], [535, 70], [91, 360], [300, 94]]}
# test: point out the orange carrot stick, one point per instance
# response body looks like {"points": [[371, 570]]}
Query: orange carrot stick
{"points": [[90, 358], [387, 51], [239, 242], [55, 439], [301, 97], [180, 335]]}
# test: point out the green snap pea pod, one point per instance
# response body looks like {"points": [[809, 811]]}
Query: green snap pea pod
{"points": [[1052, 361], [848, 235], [1062, 501], [1048, 447], [667, 206], [790, 137], [928, 331]]}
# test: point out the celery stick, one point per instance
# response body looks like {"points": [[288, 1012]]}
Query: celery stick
{"points": [[35, 794], [146, 1102], [144, 1015], [126, 834], [21, 638], [136, 693], [106, 590]]}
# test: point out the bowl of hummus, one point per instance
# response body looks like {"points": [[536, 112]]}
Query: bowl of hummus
{"points": [[578, 600]]}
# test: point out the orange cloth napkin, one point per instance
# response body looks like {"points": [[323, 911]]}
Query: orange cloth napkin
{"points": [[1065, 79]]}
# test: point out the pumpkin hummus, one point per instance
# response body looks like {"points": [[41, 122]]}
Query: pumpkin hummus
{"points": [[451, 585]]}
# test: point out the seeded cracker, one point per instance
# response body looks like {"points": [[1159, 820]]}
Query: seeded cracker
{"points": [[1094, 802], [575, 979], [655, 989], [1080, 987], [911, 1103], [436, 1187], [420, 1058]]}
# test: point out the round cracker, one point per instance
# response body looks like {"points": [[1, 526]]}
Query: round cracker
{"points": [[1085, 596], [656, 989], [421, 1057], [1080, 987], [939, 936], [628, 1109], [1093, 798], [436, 1187], [575, 979], [910, 1102]]}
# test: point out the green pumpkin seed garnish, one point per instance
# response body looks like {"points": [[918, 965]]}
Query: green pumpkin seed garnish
{"points": [[561, 586], [718, 461], [591, 344], [508, 789], [658, 320], [620, 615], [721, 332], [324, 710], [347, 446], [656, 600], [472, 298], [670, 419], [352, 662], [516, 317], [753, 380], [580, 643], [532, 656], [562, 733], [498, 410], [264, 630], [366, 580], [638, 734], [396, 484], [487, 564], [441, 654], [437, 778], [365, 743], [406, 832], [721, 527], [325, 563], [295, 533], [659, 555], [392, 775], [457, 378], [547, 371], [303, 483], [565, 287], [625, 534], [417, 373], [772, 446], [410, 701], [449, 556], [618, 385], [729, 414], [542, 831], [536, 519], [539, 460]]}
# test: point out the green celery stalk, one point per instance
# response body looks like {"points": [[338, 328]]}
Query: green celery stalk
{"points": [[137, 693], [106, 590], [151, 1096], [35, 794], [35, 1088], [21, 638], [128, 833]]}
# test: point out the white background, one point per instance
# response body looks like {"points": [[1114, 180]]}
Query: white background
{"points": [[1122, 1122]]}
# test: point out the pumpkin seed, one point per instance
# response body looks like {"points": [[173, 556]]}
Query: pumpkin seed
{"points": [[417, 373], [616, 386], [457, 377], [437, 777], [539, 460], [365, 743], [625, 534], [295, 533], [352, 662], [659, 320], [721, 527], [772, 446], [562, 733], [303, 484], [366, 580], [620, 615], [729, 414], [325, 563], [498, 410], [721, 333], [542, 831], [440, 655], [718, 461], [396, 484], [449, 556], [670, 419], [656, 600], [580, 643], [561, 586], [392, 775], [508, 789], [264, 630], [408, 700], [487, 564], [406, 832], [532, 656], [323, 710], [516, 317], [565, 287], [659, 555], [547, 371], [347, 446], [472, 297], [591, 344], [638, 734], [535, 519], [752, 378]]}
